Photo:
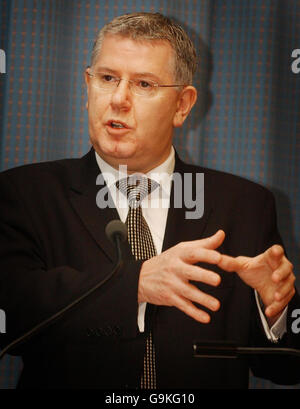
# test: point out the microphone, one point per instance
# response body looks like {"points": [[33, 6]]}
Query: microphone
{"points": [[116, 232], [230, 350]]}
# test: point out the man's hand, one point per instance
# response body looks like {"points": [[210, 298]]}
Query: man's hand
{"points": [[270, 274], [165, 279]]}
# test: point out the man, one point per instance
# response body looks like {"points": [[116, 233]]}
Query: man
{"points": [[221, 277]]}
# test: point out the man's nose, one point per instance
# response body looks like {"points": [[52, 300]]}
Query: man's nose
{"points": [[121, 96]]}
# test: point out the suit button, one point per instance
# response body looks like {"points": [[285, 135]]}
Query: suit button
{"points": [[117, 331]]}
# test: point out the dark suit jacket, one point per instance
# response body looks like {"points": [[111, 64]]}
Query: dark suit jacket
{"points": [[53, 248]]}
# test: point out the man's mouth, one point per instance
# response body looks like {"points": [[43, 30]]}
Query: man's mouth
{"points": [[117, 124]]}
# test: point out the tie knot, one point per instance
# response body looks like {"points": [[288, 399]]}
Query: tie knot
{"points": [[136, 187]]}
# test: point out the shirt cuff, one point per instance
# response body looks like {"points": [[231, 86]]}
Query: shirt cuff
{"points": [[141, 316], [278, 329]]}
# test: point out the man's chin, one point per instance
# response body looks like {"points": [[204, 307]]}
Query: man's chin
{"points": [[120, 153]]}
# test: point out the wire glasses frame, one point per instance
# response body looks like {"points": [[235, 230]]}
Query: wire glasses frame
{"points": [[143, 87]]}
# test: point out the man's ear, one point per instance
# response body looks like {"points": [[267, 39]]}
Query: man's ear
{"points": [[185, 102], [87, 83]]}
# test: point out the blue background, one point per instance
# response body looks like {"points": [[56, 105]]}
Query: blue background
{"points": [[247, 122]]}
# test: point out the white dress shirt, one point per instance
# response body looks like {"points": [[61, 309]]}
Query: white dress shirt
{"points": [[155, 211]]}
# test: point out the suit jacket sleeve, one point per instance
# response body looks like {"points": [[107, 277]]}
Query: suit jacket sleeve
{"points": [[279, 369]]}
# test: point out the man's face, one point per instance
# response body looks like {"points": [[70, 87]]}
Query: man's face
{"points": [[146, 139]]}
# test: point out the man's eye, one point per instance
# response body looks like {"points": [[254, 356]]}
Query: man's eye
{"points": [[144, 84], [106, 78]]}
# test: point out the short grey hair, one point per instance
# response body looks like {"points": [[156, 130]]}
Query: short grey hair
{"points": [[151, 27]]}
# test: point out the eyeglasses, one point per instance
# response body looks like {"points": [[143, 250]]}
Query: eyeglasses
{"points": [[145, 88]]}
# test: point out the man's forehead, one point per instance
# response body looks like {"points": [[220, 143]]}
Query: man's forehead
{"points": [[116, 47], [138, 42]]}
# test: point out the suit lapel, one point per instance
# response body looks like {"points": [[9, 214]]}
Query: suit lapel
{"points": [[83, 194], [179, 228]]}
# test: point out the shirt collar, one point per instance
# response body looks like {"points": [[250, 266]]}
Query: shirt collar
{"points": [[162, 174]]}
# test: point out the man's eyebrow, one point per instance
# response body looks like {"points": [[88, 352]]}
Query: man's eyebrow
{"points": [[106, 69], [149, 75]]}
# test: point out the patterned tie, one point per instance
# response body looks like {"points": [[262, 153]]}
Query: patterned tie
{"points": [[137, 187]]}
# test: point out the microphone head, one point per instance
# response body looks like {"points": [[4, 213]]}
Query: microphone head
{"points": [[116, 227]]}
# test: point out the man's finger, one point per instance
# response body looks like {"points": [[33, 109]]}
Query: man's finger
{"points": [[193, 294], [285, 288], [194, 255], [232, 264], [214, 241], [191, 310], [283, 271], [196, 273], [211, 242], [274, 255], [278, 306]]}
